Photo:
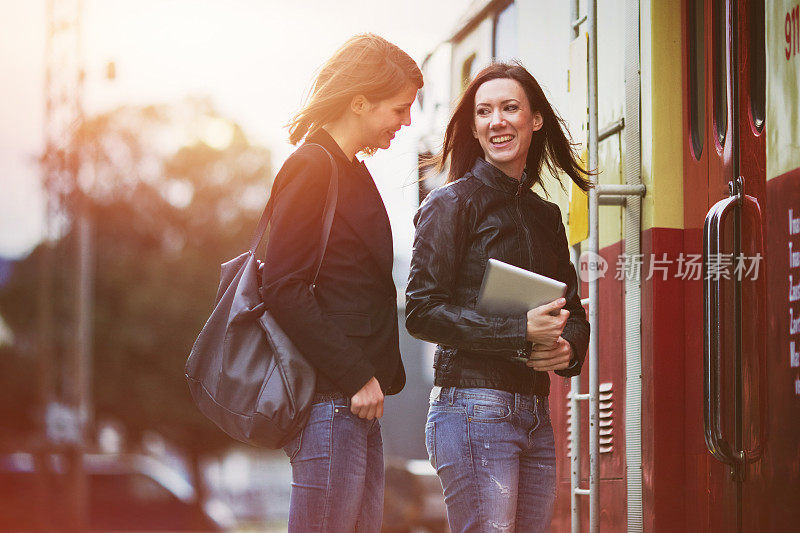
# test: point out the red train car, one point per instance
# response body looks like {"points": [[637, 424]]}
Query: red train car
{"points": [[699, 353]]}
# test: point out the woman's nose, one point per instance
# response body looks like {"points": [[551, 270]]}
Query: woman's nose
{"points": [[496, 120]]}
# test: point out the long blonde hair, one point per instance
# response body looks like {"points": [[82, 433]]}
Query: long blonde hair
{"points": [[367, 65]]}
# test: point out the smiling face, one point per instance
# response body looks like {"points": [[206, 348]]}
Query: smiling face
{"points": [[380, 121], [504, 124]]}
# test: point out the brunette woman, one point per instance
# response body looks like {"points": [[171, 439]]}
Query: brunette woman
{"points": [[488, 432], [346, 327]]}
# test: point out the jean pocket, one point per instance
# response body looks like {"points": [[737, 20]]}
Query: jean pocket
{"points": [[293, 446], [490, 412], [430, 442], [544, 408]]}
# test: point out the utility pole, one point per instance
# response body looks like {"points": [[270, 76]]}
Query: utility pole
{"points": [[65, 421]]}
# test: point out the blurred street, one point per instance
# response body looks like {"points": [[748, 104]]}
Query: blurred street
{"points": [[139, 143]]}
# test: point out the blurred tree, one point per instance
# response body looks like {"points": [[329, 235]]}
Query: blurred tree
{"points": [[174, 190]]}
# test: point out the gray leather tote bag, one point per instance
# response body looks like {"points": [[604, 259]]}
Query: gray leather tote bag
{"points": [[244, 372]]}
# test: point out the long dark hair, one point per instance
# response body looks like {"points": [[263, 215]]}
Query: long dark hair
{"points": [[366, 64], [550, 145]]}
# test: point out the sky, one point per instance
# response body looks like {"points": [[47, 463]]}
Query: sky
{"points": [[255, 59]]}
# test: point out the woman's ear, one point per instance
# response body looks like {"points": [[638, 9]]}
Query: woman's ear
{"points": [[538, 121], [359, 104]]}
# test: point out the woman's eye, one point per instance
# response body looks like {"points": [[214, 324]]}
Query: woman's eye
{"points": [[512, 107], [483, 112]]}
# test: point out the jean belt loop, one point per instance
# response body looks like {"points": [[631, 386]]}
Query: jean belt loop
{"points": [[436, 393], [516, 401], [452, 395]]}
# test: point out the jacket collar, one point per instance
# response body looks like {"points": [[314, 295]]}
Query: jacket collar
{"points": [[324, 139], [495, 178]]}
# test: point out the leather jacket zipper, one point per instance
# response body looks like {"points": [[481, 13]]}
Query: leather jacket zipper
{"points": [[518, 199]]}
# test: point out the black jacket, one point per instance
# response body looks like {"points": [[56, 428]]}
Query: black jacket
{"points": [[483, 215], [348, 327]]}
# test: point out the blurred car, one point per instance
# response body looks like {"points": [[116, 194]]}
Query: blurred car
{"points": [[126, 493], [413, 498]]}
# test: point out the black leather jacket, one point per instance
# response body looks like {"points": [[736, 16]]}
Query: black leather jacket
{"points": [[483, 215]]}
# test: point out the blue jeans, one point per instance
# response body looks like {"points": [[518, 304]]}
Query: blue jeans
{"points": [[337, 472], [494, 453]]}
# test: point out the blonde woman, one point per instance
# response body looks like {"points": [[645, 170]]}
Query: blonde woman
{"points": [[346, 327]]}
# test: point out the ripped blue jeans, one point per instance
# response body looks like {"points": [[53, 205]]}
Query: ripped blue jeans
{"points": [[494, 453]]}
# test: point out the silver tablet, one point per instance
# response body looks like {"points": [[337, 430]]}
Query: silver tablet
{"points": [[510, 290]]}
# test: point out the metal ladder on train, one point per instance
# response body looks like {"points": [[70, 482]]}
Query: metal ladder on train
{"points": [[628, 196]]}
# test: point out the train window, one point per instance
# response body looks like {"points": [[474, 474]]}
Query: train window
{"points": [[697, 86], [468, 70], [719, 22], [504, 39], [758, 63]]}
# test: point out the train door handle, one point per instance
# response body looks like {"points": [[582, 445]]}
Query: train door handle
{"points": [[716, 443]]}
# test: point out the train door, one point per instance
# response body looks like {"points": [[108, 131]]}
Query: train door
{"points": [[732, 368]]}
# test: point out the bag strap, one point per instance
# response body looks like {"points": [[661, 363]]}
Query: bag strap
{"points": [[327, 217]]}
